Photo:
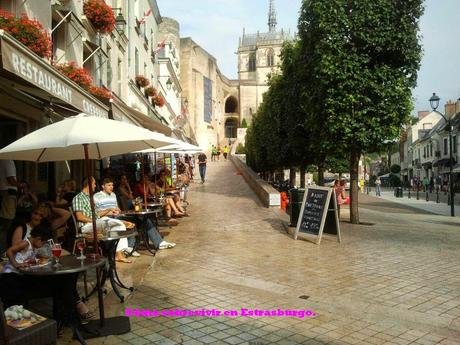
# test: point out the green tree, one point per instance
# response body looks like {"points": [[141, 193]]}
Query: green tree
{"points": [[362, 58], [244, 124]]}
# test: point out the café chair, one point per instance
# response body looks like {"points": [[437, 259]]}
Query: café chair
{"points": [[43, 333]]}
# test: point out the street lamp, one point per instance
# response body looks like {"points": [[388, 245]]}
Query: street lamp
{"points": [[120, 21], [434, 103]]}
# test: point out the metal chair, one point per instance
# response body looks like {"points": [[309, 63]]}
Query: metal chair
{"points": [[43, 333]]}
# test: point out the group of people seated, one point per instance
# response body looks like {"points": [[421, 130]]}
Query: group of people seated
{"points": [[37, 222]]}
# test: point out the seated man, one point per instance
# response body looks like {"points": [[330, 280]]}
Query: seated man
{"points": [[107, 205]]}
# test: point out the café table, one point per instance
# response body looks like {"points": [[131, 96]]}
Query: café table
{"points": [[141, 219], [68, 269], [109, 250]]}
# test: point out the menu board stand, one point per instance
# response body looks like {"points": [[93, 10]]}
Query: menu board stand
{"points": [[318, 215]]}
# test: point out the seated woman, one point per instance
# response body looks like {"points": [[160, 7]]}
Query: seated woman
{"points": [[165, 185], [22, 232], [26, 200], [153, 190], [125, 193], [66, 193]]}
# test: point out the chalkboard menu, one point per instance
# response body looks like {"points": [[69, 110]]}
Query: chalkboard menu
{"points": [[318, 215]]}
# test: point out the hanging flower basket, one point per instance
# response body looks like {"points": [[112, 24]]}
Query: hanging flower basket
{"points": [[142, 81], [27, 31], [78, 74], [100, 15], [158, 100], [150, 91], [101, 92]]}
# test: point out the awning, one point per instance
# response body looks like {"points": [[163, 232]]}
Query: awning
{"points": [[26, 68], [427, 165], [441, 162], [141, 119], [456, 168]]}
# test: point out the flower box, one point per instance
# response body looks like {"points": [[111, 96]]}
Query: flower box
{"points": [[78, 74], [158, 101], [150, 91], [27, 31], [100, 92], [100, 15], [142, 81]]}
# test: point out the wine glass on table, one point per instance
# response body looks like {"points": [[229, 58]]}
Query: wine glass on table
{"points": [[56, 250], [81, 245]]}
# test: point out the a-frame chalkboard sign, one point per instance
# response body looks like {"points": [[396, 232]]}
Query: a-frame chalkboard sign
{"points": [[318, 215]]}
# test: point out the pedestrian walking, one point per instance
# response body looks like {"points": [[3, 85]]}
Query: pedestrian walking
{"points": [[213, 153], [361, 185], [426, 184], [218, 153], [431, 184], [225, 152], [378, 184], [202, 160]]}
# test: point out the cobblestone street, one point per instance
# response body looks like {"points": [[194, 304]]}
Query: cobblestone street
{"points": [[395, 280]]}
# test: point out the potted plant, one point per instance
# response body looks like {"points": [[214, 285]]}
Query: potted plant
{"points": [[100, 15], [142, 81], [158, 100], [27, 31], [78, 74], [150, 91], [100, 92]]}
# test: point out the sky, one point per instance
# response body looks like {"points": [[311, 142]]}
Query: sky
{"points": [[216, 25]]}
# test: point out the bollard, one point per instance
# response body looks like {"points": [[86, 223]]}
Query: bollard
{"points": [[427, 195], [448, 199], [437, 196], [408, 190], [418, 193]]}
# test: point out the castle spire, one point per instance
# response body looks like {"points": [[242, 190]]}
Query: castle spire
{"points": [[272, 17]]}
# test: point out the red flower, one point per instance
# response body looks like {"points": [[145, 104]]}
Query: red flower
{"points": [[100, 92], [27, 31], [142, 81], [78, 74], [150, 91], [159, 100], [100, 15]]}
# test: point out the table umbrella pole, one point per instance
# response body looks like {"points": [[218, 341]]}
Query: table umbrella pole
{"points": [[96, 245], [143, 181]]}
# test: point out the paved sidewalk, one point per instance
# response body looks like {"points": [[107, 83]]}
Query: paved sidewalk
{"points": [[421, 204], [394, 282]]}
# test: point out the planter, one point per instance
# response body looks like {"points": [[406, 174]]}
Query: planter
{"points": [[78, 74], [100, 92], [27, 31], [142, 81], [100, 15], [150, 91]]}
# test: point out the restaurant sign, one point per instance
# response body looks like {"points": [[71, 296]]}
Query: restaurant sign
{"points": [[18, 60]]}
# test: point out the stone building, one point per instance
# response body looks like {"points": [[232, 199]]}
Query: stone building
{"points": [[29, 100], [216, 104]]}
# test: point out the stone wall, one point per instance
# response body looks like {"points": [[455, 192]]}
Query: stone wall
{"points": [[268, 195]]}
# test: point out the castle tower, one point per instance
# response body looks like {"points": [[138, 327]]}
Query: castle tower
{"points": [[258, 56], [272, 17]]}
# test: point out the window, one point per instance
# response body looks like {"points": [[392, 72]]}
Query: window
{"points": [[445, 146], [109, 68], [252, 62], [145, 69], [136, 61], [431, 149], [120, 74], [454, 141], [270, 57]]}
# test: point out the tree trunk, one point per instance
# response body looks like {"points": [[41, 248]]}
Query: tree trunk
{"points": [[320, 175], [302, 177], [292, 177], [354, 168]]}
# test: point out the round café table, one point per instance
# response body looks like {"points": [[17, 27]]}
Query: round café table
{"points": [[141, 219], [68, 269]]}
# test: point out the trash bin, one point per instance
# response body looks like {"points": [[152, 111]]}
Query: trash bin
{"points": [[295, 203]]}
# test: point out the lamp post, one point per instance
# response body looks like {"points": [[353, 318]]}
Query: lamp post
{"points": [[120, 21], [434, 103]]}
